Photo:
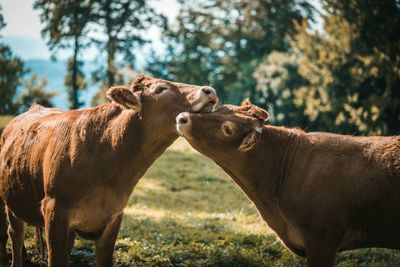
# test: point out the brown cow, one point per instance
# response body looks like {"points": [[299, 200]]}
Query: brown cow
{"points": [[320, 192], [74, 171]]}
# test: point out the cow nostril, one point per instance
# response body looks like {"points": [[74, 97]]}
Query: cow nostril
{"points": [[207, 91], [182, 120]]}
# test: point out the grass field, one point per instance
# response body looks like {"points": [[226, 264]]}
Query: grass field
{"points": [[187, 212]]}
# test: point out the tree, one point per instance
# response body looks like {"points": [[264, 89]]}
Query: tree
{"points": [[2, 23], [75, 78], [123, 75], [123, 24], [35, 93], [377, 36], [11, 71], [66, 26], [277, 84], [221, 42], [352, 69]]}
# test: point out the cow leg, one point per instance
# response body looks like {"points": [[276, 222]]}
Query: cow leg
{"points": [[105, 244], [3, 234], [71, 241], [25, 258], [320, 251], [57, 231], [16, 232]]}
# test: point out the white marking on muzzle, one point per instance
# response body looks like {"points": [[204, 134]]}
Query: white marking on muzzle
{"points": [[205, 99]]}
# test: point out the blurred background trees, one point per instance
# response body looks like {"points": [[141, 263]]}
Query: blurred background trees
{"points": [[221, 42], [11, 71], [65, 26], [329, 65], [352, 68], [122, 27], [35, 92], [341, 74]]}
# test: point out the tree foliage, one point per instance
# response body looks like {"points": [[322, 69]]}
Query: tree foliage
{"points": [[116, 27], [2, 22], [352, 69], [75, 78], [35, 92], [277, 84], [11, 71], [122, 26], [343, 77], [221, 42], [66, 26]]}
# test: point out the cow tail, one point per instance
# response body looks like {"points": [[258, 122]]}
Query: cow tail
{"points": [[39, 238]]}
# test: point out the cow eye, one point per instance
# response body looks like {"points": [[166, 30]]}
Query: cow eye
{"points": [[160, 89], [228, 129]]}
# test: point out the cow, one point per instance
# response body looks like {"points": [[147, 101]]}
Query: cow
{"points": [[320, 192], [73, 171]]}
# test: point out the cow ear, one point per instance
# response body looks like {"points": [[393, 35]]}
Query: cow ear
{"points": [[249, 142], [254, 111], [125, 97], [259, 113]]}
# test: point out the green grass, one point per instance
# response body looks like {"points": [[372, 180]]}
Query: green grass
{"points": [[186, 212]]}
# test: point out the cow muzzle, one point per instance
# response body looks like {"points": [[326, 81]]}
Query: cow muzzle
{"points": [[205, 100], [182, 122]]}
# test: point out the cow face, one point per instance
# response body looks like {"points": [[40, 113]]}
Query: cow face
{"points": [[158, 102], [228, 129]]}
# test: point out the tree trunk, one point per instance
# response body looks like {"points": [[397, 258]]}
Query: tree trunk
{"points": [[110, 75], [110, 63], [75, 88]]}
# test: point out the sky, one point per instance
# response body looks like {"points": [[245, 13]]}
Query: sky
{"points": [[22, 32]]}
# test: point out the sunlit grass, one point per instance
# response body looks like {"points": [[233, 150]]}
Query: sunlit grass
{"points": [[186, 212]]}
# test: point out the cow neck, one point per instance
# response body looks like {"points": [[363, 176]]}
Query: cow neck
{"points": [[149, 150], [139, 146], [261, 172]]}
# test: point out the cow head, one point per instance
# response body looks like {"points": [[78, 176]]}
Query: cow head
{"points": [[158, 101], [226, 130]]}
